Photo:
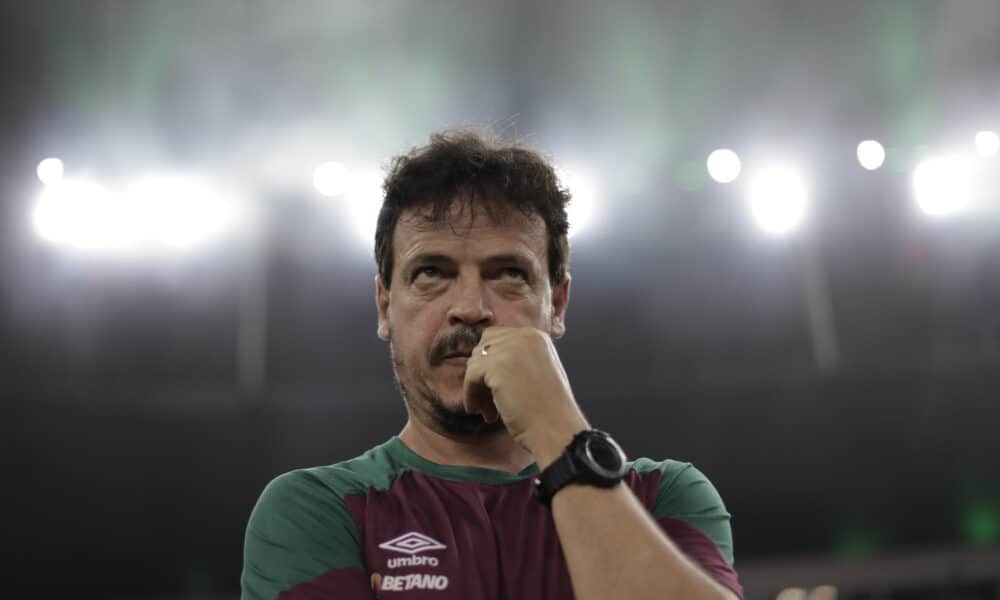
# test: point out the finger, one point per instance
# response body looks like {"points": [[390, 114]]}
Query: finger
{"points": [[487, 407], [477, 395], [479, 400], [474, 389]]}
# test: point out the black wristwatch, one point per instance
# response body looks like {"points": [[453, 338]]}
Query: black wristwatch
{"points": [[592, 458]]}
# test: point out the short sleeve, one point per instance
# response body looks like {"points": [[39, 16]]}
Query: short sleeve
{"points": [[686, 494], [301, 542], [690, 512]]}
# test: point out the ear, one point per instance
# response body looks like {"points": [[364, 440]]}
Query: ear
{"points": [[560, 301], [382, 305]]}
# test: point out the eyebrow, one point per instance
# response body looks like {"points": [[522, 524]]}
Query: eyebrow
{"points": [[429, 258], [509, 258], [425, 258]]}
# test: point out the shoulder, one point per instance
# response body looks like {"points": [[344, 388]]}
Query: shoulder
{"points": [[316, 487], [304, 525], [681, 487], [376, 468], [682, 497]]}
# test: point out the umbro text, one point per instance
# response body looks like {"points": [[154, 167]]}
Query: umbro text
{"points": [[412, 561]]}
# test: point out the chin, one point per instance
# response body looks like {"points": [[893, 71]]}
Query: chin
{"points": [[452, 418], [450, 403]]}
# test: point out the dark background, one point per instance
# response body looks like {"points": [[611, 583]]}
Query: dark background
{"points": [[132, 451]]}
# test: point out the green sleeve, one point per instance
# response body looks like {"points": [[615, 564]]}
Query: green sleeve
{"points": [[299, 529], [686, 494]]}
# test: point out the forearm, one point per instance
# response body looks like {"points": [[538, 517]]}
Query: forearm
{"points": [[614, 549]]}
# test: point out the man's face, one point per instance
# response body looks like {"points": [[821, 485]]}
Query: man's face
{"points": [[450, 281]]}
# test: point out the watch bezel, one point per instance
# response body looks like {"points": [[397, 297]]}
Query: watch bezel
{"points": [[602, 474]]}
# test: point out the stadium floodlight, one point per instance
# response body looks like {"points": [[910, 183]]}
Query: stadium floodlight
{"points": [[580, 209], [177, 211], [723, 165], [163, 210], [871, 154], [987, 143], [942, 185], [83, 215], [331, 179], [50, 171], [778, 199]]}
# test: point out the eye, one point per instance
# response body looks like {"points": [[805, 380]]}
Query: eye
{"points": [[515, 273], [427, 271]]}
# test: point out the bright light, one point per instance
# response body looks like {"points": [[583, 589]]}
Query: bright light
{"points": [[871, 154], [723, 165], [364, 201], [178, 212], [50, 171], [580, 209], [82, 214], [942, 185], [331, 179], [987, 143], [778, 199], [175, 212]]}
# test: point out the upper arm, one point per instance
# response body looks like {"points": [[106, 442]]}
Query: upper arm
{"points": [[688, 495], [690, 511]]}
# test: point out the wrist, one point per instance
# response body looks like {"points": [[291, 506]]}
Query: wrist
{"points": [[549, 445], [592, 458]]}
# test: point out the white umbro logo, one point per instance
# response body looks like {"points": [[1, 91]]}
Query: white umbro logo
{"points": [[412, 543]]}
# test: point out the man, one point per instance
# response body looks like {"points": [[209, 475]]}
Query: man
{"points": [[497, 487]]}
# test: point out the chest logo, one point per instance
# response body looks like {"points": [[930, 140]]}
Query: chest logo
{"points": [[412, 543]]}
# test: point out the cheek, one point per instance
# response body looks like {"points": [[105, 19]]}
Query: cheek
{"points": [[521, 314], [415, 332]]}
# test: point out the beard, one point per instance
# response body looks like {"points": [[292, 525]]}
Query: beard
{"points": [[445, 419], [459, 422], [452, 421]]}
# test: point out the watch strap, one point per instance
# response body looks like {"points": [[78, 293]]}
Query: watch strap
{"points": [[560, 473]]}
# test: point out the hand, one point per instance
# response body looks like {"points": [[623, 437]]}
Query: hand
{"points": [[521, 379]]}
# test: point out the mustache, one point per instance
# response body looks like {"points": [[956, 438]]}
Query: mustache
{"points": [[460, 340]]}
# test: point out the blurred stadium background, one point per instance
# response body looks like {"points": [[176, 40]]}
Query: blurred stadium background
{"points": [[186, 294]]}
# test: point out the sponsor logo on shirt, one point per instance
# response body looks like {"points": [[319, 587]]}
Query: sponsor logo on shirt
{"points": [[412, 561], [401, 583], [412, 543], [414, 581]]}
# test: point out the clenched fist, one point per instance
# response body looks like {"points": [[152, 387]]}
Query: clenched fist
{"points": [[514, 373]]}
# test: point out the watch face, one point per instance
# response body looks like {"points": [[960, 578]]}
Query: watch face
{"points": [[605, 456]]}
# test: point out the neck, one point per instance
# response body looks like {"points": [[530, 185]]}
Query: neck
{"points": [[497, 451]]}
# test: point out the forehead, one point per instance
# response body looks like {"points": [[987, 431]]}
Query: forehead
{"points": [[469, 228]]}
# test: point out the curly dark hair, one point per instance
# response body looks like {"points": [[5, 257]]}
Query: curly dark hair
{"points": [[475, 166]]}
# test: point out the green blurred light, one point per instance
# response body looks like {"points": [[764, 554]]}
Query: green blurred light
{"points": [[903, 66], [858, 544], [981, 524]]}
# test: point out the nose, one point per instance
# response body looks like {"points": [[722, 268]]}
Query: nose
{"points": [[469, 305]]}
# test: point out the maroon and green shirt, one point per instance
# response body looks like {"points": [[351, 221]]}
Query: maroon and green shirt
{"points": [[390, 524]]}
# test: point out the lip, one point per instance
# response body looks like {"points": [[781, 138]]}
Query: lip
{"points": [[458, 361]]}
